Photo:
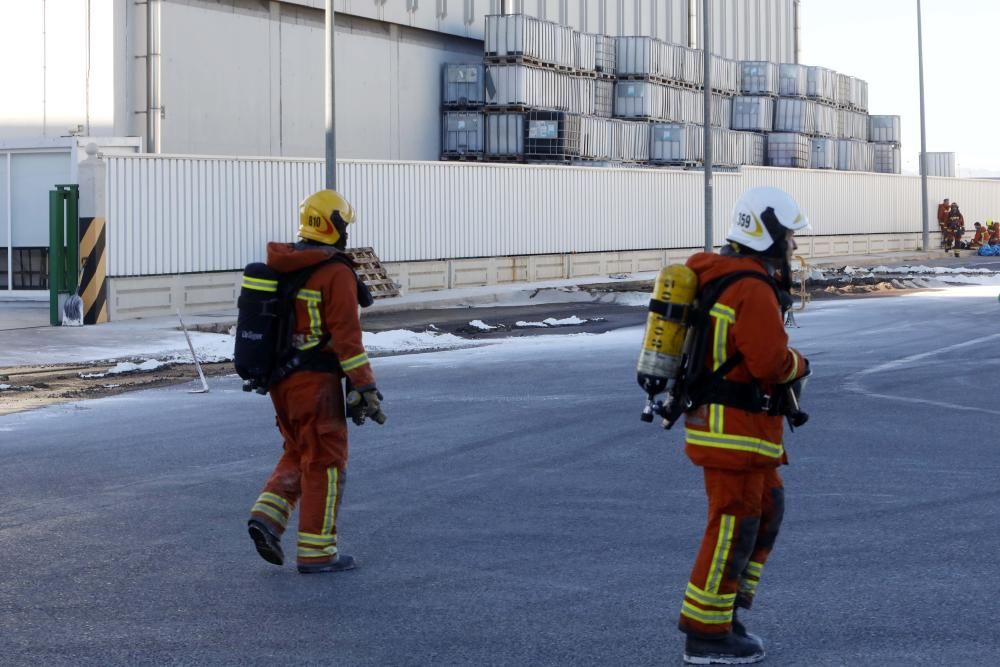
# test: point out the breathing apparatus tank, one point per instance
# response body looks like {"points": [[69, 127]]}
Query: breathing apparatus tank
{"points": [[662, 352]]}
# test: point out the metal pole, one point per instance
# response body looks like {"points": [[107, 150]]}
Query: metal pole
{"points": [[151, 143], [923, 133], [706, 48], [331, 126]]}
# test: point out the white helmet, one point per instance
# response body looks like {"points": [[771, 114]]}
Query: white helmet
{"points": [[761, 217]]}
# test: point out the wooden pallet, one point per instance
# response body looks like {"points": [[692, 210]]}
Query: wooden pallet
{"points": [[528, 61], [369, 268], [462, 157], [504, 158]]}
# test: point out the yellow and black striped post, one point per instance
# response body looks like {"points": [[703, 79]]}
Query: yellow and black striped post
{"points": [[94, 281]]}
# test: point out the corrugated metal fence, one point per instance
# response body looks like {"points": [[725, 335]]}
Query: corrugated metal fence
{"points": [[183, 214]]}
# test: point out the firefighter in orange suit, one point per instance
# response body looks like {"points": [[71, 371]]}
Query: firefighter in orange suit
{"points": [[944, 208], [310, 404], [732, 435], [981, 236]]}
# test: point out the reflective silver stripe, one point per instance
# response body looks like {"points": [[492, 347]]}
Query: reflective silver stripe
{"points": [[723, 545]]}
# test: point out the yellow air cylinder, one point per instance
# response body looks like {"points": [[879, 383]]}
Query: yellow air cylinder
{"points": [[666, 327]]}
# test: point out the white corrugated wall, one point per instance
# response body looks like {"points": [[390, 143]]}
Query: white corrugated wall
{"points": [[184, 214]]}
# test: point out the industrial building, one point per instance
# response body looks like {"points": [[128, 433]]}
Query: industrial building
{"points": [[210, 113]]}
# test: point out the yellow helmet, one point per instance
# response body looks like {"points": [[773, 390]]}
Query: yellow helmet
{"points": [[324, 216]]}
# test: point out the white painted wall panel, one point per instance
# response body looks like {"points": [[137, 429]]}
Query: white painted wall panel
{"points": [[216, 91], [44, 58], [32, 177], [6, 224], [182, 214]]}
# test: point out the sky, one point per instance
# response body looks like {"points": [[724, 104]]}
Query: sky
{"points": [[876, 40]]}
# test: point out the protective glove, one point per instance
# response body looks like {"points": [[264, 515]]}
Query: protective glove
{"points": [[365, 402]]}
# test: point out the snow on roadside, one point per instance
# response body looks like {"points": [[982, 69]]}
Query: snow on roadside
{"points": [[126, 367], [905, 270], [552, 322], [401, 340]]}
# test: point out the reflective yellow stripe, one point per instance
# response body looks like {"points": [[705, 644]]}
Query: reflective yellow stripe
{"points": [[706, 617], [320, 540], [354, 362], [739, 443], [329, 516], [725, 542], [795, 369], [313, 299], [716, 412], [260, 284], [724, 312], [725, 601], [754, 569], [304, 552], [276, 500], [276, 516], [310, 295]]}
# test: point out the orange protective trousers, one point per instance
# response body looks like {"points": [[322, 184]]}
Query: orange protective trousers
{"points": [[310, 415], [745, 509]]}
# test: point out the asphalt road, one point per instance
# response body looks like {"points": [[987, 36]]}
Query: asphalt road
{"points": [[515, 511]]}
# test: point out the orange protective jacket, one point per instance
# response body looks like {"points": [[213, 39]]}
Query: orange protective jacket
{"points": [[942, 214], [747, 318], [328, 302]]}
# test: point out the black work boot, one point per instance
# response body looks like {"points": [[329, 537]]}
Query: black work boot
{"points": [[268, 544], [730, 649], [741, 630], [343, 562]]}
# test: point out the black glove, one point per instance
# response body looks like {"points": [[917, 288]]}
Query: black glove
{"points": [[364, 402]]}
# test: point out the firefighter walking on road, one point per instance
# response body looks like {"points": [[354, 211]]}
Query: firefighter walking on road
{"points": [[325, 339], [734, 428]]}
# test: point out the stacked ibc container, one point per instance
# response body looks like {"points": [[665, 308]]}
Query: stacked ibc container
{"points": [[683, 144], [663, 83], [545, 92], [754, 106], [854, 152], [462, 124], [884, 135], [804, 111], [548, 91]]}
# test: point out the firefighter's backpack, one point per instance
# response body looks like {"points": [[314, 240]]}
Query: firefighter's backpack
{"points": [[264, 353]]}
